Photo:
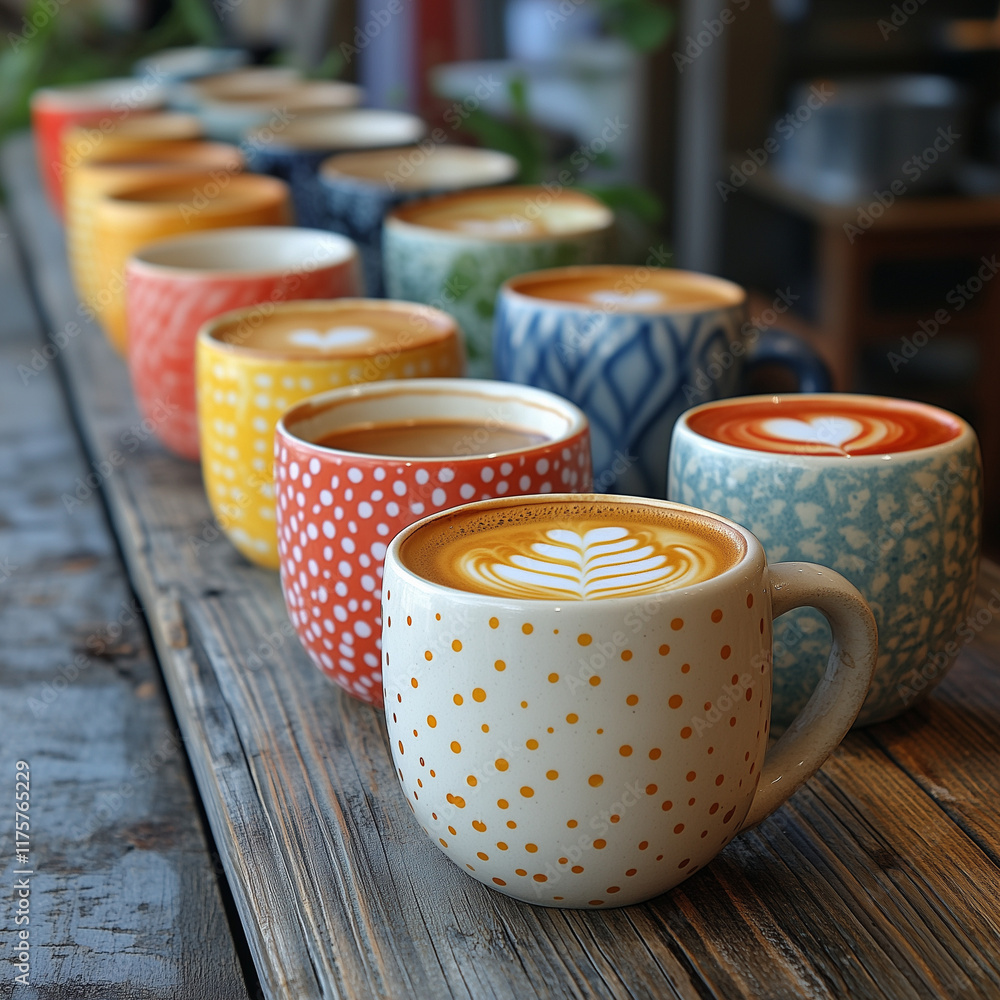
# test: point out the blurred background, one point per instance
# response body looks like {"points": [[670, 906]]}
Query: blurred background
{"points": [[840, 158]]}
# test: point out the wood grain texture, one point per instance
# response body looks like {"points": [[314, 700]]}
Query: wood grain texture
{"points": [[879, 879], [124, 901]]}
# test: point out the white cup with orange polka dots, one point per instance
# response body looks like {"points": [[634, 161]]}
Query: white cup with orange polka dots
{"points": [[578, 689]]}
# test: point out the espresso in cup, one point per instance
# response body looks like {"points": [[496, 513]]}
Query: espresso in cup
{"points": [[885, 491], [353, 466], [456, 250], [634, 347], [255, 363], [549, 663]]}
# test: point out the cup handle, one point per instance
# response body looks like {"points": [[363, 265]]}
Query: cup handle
{"points": [[784, 349], [817, 730]]}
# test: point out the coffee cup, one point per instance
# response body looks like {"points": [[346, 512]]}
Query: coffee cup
{"points": [[354, 466], [228, 117], [54, 109], [249, 81], [174, 286], [361, 188], [454, 251], [885, 491], [190, 62], [128, 218], [107, 171], [577, 689], [253, 364], [295, 151], [634, 347]]}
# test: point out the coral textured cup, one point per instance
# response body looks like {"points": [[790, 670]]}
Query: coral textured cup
{"points": [[253, 364], [106, 172], [886, 491], [173, 287], [54, 109], [131, 217], [578, 689], [424, 446]]}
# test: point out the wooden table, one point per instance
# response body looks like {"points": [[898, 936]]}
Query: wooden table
{"points": [[881, 878]]}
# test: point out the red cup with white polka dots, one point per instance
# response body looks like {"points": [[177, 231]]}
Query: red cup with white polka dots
{"points": [[578, 689], [354, 466]]}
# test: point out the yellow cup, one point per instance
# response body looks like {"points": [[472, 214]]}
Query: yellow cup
{"points": [[253, 364], [110, 169], [130, 217]]}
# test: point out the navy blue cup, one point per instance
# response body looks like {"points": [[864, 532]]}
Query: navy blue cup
{"points": [[360, 188], [634, 347]]}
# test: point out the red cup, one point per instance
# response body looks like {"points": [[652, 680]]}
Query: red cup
{"points": [[174, 286], [338, 509], [54, 109]]}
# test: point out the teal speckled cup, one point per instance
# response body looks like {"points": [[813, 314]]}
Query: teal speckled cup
{"points": [[887, 492]]}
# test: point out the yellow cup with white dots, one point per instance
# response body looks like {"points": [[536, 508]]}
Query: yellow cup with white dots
{"points": [[255, 363]]}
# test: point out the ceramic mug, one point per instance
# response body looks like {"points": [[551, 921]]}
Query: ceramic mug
{"points": [[190, 62], [101, 175], [253, 364], [634, 347], [128, 218], [354, 466], [887, 492], [173, 287], [577, 689], [456, 250], [54, 109], [250, 81], [295, 151], [361, 188]]}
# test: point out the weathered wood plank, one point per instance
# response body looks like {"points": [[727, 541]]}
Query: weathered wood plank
{"points": [[868, 884], [123, 901]]}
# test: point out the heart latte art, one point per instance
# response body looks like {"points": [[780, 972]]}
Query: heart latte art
{"points": [[834, 427], [538, 554]]}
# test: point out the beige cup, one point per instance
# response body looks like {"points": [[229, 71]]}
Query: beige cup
{"points": [[131, 217]]}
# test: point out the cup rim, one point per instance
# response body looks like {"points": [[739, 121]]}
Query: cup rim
{"points": [[513, 288], [341, 251], [161, 126], [336, 169], [316, 131], [173, 154], [752, 555], [437, 317], [965, 436], [96, 95], [401, 217], [129, 199], [429, 388]]}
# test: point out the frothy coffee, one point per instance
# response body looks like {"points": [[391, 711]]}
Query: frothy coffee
{"points": [[627, 289], [508, 213], [344, 328], [573, 549], [826, 425]]}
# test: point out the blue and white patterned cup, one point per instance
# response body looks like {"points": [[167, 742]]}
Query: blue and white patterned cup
{"points": [[456, 250], [634, 347], [361, 188], [887, 492], [293, 150]]}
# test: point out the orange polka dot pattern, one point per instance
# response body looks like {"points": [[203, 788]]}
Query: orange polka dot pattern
{"points": [[337, 514], [600, 795]]}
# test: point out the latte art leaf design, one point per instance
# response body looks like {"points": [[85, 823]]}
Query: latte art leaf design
{"points": [[608, 561]]}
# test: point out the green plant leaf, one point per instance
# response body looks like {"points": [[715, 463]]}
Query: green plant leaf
{"points": [[640, 201], [644, 24]]}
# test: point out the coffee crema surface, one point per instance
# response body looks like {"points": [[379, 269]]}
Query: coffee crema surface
{"points": [[616, 289], [572, 550], [428, 438], [512, 213], [347, 331], [833, 427]]}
